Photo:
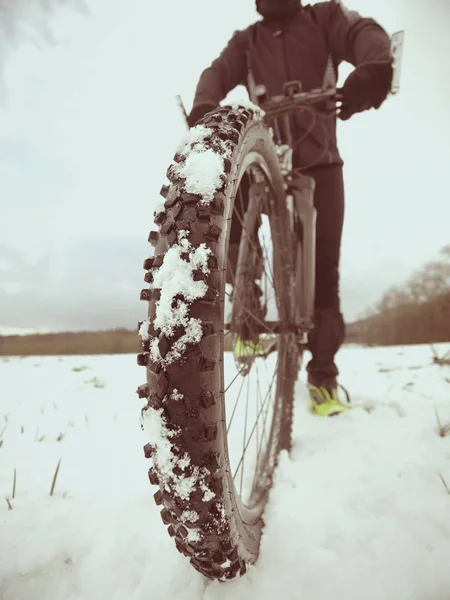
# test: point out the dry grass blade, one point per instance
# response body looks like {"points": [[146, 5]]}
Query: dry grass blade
{"points": [[441, 360], [444, 483], [14, 484], [2, 431], [55, 477], [8, 503], [443, 430]]}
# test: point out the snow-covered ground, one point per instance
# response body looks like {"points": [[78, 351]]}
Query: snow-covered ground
{"points": [[360, 509]]}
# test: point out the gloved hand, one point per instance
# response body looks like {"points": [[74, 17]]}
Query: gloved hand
{"points": [[366, 87], [199, 111]]}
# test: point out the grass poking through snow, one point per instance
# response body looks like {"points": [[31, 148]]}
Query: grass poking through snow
{"points": [[55, 477], [14, 484], [444, 483], [443, 430], [441, 360]]}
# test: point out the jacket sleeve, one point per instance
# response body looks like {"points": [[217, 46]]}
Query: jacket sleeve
{"points": [[224, 74], [354, 38]]}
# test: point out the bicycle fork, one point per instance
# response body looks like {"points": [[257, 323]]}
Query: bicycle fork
{"points": [[302, 188]]}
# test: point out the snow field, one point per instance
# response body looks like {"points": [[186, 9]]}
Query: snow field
{"points": [[359, 510]]}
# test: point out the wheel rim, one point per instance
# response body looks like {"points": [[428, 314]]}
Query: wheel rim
{"points": [[253, 388]]}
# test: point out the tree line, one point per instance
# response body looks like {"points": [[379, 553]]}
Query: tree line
{"points": [[415, 312]]}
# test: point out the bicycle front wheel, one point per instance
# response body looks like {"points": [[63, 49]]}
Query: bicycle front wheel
{"points": [[221, 358]]}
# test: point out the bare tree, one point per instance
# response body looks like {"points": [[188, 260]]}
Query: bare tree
{"points": [[432, 280], [417, 311]]}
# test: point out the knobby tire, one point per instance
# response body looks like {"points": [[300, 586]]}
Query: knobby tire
{"points": [[209, 523]]}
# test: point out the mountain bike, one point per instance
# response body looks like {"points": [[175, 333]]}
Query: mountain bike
{"points": [[231, 303]]}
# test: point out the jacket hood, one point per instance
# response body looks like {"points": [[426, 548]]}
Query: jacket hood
{"points": [[277, 9]]}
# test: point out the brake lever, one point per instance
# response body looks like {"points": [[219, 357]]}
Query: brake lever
{"points": [[339, 97], [334, 103]]}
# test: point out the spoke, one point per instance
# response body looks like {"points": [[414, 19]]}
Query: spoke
{"points": [[258, 320], [254, 426], [263, 432], [268, 261], [270, 331], [254, 317], [260, 436], [258, 401], [235, 404], [277, 366], [241, 203], [241, 219], [252, 243], [265, 418], [245, 438], [231, 382], [233, 277]]}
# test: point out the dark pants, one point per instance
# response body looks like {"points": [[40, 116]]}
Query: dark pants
{"points": [[329, 330]]}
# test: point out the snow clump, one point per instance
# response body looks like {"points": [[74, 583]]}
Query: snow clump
{"points": [[174, 278]]}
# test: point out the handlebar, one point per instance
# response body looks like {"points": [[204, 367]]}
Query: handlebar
{"points": [[293, 97]]}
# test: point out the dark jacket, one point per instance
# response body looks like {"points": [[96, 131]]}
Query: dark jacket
{"points": [[301, 48]]}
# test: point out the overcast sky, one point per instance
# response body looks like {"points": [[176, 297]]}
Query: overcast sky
{"points": [[89, 123]]}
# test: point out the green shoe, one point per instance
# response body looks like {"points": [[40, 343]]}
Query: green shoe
{"points": [[245, 352], [325, 402], [246, 349]]}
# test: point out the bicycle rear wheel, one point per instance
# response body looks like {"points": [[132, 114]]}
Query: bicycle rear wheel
{"points": [[213, 465]]}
